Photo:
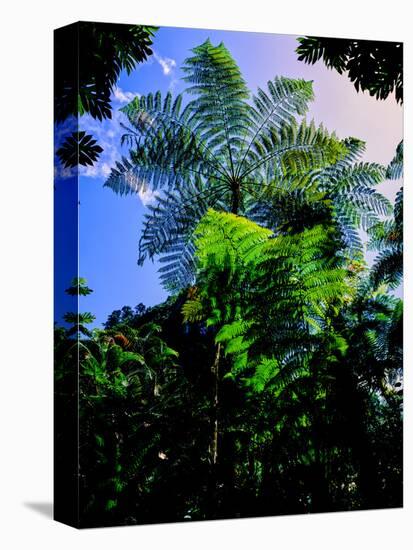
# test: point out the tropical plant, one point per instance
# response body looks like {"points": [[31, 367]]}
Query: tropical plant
{"points": [[219, 150], [343, 194], [281, 390], [127, 379], [297, 281], [224, 152], [78, 287]]}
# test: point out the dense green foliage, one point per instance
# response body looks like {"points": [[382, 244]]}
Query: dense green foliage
{"points": [[308, 415], [270, 381], [373, 66]]}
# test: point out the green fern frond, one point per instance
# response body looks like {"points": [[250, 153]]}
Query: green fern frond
{"points": [[233, 330], [296, 280], [193, 310], [225, 239]]}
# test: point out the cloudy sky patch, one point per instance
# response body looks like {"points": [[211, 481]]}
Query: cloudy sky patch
{"points": [[167, 64]]}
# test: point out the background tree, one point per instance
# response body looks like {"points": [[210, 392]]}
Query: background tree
{"points": [[376, 67], [86, 87]]}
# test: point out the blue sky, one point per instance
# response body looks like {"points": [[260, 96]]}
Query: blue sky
{"points": [[109, 225]]}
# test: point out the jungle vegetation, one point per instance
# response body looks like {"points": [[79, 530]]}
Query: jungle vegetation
{"points": [[270, 381]]}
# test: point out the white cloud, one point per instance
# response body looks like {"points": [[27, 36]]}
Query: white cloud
{"points": [[105, 169], [147, 196], [122, 96], [90, 171], [167, 64], [62, 173], [108, 134]]}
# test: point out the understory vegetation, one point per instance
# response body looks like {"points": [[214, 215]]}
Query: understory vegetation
{"points": [[270, 381]]}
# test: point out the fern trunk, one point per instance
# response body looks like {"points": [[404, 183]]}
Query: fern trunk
{"points": [[236, 198]]}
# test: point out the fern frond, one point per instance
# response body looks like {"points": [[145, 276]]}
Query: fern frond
{"points": [[395, 168], [193, 310], [219, 112], [388, 268]]}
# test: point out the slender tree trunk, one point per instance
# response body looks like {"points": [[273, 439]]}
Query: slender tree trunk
{"points": [[215, 371], [213, 501], [320, 499]]}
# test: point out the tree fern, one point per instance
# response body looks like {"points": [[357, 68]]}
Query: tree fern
{"points": [[216, 151]]}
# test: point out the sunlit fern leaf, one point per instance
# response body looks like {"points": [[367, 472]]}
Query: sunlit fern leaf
{"points": [[192, 310], [219, 111], [232, 330], [274, 377], [247, 275], [166, 151], [284, 99], [292, 148]]}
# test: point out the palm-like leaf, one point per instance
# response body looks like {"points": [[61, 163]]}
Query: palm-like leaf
{"points": [[107, 49], [79, 148], [78, 321]]}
